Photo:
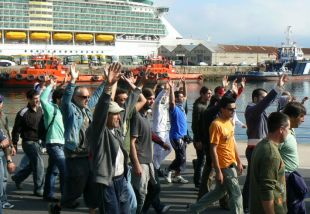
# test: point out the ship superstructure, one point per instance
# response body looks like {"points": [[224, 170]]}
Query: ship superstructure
{"points": [[112, 27]]}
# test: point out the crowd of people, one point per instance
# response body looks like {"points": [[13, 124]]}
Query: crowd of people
{"points": [[109, 146]]}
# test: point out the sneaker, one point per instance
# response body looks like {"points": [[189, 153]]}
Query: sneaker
{"points": [[53, 209], [168, 178], [17, 184], [7, 205], [179, 179]]}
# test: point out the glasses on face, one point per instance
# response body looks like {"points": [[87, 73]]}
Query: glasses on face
{"points": [[231, 109], [83, 97]]}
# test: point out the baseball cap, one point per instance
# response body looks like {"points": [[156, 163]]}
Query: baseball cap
{"points": [[114, 108]]}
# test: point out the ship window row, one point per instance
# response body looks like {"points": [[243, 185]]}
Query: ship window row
{"points": [[101, 11], [41, 25], [41, 12], [17, 25], [105, 23], [102, 17], [80, 4], [14, 6], [14, 13], [41, 19], [14, 19], [109, 29], [17, 1], [40, 7]]}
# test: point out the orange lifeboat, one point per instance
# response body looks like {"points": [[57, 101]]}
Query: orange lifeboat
{"points": [[62, 36], [84, 37], [104, 38], [162, 69], [40, 36], [41, 67], [15, 35]]}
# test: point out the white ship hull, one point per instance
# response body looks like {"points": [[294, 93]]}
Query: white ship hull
{"points": [[120, 48]]}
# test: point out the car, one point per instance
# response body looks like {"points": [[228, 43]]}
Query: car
{"points": [[243, 64], [203, 63], [6, 63]]}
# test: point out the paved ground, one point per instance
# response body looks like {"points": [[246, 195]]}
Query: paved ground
{"points": [[177, 195]]}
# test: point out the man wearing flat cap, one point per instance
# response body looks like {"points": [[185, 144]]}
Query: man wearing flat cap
{"points": [[107, 155]]}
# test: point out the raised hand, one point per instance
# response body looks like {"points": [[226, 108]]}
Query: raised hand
{"points": [[243, 81], [234, 87], [182, 79], [282, 80], [114, 73], [225, 82], [170, 83], [74, 73]]}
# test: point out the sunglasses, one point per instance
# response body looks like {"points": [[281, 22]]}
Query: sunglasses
{"points": [[231, 109], [84, 97]]}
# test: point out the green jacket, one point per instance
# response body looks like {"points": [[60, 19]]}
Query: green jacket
{"points": [[267, 178], [55, 133]]}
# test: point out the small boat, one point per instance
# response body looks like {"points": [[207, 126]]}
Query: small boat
{"points": [[42, 66], [290, 62], [300, 71], [162, 69]]}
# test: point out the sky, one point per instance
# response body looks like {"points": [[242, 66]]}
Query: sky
{"points": [[243, 22]]}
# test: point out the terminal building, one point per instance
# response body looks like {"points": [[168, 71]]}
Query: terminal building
{"points": [[218, 54]]}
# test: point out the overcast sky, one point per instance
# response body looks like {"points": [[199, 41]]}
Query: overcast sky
{"points": [[251, 22]]}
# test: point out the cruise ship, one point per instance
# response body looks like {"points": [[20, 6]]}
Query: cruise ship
{"points": [[71, 27]]}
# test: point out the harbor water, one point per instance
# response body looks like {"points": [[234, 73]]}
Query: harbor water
{"points": [[15, 100]]}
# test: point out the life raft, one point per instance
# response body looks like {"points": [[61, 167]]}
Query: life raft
{"points": [[41, 78], [30, 77], [19, 77], [95, 78]]}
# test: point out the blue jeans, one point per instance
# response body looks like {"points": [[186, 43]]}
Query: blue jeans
{"points": [[131, 193], [3, 166], [56, 163], [35, 165], [114, 198]]}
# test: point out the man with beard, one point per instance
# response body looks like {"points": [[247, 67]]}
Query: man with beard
{"points": [[267, 178]]}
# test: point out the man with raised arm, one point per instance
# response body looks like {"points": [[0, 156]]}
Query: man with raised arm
{"points": [[108, 155], [76, 107], [178, 131], [256, 121]]}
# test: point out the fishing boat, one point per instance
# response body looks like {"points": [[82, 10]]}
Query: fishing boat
{"points": [[42, 66], [162, 69], [290, 62]]}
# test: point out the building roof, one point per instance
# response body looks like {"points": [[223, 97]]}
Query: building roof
{"points": [[189, 47], [248, 49], [306, 51], [169, 47]]}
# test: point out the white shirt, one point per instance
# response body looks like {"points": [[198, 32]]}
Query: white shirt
{"points": [[160, 112]]}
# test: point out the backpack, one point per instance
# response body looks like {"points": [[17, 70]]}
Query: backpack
{"points": [[42, 130]]}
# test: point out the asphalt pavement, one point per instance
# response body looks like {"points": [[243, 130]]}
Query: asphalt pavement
{"points": [[176, 195]]}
